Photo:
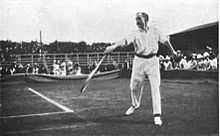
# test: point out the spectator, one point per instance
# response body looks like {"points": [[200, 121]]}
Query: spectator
{"points": [[63, 68], [177, 59], [167, 64], [28, 68], [200, 63], [206, 62], [12, 68], [35, 68], [42, 69], [69, 67], [20, 68], [161, 57], [162, 66], [90, 66], [192, 63], [78, 69], [213, 64], [115, 64], [126, 65], [183, 63], [56, 67], [94, 64]]}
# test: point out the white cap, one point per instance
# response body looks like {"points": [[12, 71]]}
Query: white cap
{"points": [[167, 57], [161, 57], [199, 56], [205, 54]]}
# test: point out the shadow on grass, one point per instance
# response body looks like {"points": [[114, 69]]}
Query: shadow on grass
{"points": [[118, 119]]}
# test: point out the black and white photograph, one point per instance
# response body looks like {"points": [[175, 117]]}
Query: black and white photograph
{"points": [[109, 68]]}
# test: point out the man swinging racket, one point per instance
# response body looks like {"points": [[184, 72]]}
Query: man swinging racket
{"points": [[145, 40]]}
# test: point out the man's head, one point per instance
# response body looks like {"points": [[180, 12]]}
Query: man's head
{"points": [[142, 20]]}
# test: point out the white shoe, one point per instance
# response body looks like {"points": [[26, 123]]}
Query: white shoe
{"points": [[130, 110], [158, 121]]}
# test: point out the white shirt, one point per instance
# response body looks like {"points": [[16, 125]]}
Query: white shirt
{"points": [[183, 62], [55, 66], [63, 66], [145, 42], [213, 63], [78, 71], [168, 65]]}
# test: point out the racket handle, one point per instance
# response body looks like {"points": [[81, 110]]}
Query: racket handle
{"points": [[85, 85]]}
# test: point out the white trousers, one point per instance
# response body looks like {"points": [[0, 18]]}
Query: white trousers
{"points": [[143, 67]]}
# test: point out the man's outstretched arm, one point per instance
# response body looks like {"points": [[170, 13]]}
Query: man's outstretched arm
{"points": [[169, 45], [111, 48]]}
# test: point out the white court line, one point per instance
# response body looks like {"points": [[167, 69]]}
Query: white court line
{"points": [[74, 126], [51, 101], [32, 115]]}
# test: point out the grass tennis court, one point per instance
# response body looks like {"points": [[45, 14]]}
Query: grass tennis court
{"points": [[190, 107]]}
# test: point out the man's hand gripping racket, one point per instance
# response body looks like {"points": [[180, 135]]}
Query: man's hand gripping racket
{"points": [[108, 50]]}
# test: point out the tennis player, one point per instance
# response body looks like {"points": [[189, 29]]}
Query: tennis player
{"points": [[146, 63]]}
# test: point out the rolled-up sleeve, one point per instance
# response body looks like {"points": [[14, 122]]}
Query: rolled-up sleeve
{"points": [[126, 41], [162, 38]]}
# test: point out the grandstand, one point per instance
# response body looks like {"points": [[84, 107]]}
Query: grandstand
{"points": [[196, 39]]}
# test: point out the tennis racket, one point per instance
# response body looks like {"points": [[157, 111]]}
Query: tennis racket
{"points": [[86, 83]]}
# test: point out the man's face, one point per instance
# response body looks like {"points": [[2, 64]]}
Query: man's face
{"points": [[139, 23]]}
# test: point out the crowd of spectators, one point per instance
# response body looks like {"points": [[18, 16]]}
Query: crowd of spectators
{"points": [[202, 61], [206, 61], [20, 68], [59, 67]]}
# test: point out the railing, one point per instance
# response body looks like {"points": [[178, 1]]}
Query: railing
{"points": [[81, 58]]}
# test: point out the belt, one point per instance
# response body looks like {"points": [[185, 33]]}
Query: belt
{"points": [[146, 56]]}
